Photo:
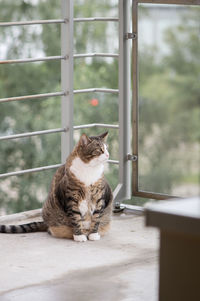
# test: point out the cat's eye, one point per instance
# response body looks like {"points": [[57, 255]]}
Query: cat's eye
{"points": [[102, 150], [96, 152]]}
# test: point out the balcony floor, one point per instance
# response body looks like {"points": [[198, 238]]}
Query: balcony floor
{"points": [[121, 266]]}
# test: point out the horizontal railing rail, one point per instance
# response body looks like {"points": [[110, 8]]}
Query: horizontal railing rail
{"points": [[32, 60], [92, 125], [114, 91], [57, 21], [30, 134], [25, 171], [58, 57], [176, 2], [96, 19], [35, 96], [113, 162], [46, 95], [38, 169], [96, 55], [34, 22], [58, 130]]}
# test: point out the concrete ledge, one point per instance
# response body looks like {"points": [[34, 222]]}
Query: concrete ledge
{"points": [[123, 264], [181, 215]]}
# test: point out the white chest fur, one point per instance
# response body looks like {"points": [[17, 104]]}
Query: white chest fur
{"points": [[86, 172]]}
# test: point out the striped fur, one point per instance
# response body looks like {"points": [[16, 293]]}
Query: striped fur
{"points": [[24, 228], [79, 204]]}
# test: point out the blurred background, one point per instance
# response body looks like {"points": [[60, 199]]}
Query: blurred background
{"points": [[169, 96]]}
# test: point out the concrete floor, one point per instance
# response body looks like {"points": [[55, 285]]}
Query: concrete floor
{"points": [[121, 266]]}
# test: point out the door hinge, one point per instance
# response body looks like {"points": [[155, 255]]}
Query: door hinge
{"points": [[132, 157], [130, 36]]}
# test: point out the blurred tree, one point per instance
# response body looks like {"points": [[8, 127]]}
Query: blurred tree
{"points": [[170, 108], [28, 191], [169, 97]]}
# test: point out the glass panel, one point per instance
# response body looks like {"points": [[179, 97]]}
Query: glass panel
{"points": [[169, 99]]}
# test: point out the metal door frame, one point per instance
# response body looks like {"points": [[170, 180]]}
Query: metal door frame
{"points": [[135, 112]]}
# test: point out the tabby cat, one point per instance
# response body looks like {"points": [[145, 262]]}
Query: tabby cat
{"points": [[79, 203]]}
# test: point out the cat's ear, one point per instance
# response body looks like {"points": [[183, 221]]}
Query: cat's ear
{"points": [[84, 140], [103, 136]]}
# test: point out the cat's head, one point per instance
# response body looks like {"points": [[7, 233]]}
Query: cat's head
{"points": [[93, 150]]}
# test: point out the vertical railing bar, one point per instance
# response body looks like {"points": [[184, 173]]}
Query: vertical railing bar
{"points": [[67, 79], [135, 96], [123, 190]]}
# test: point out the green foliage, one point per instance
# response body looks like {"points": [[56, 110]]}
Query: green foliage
{"points": [[28, 191], [170, 109], [169, 99]]}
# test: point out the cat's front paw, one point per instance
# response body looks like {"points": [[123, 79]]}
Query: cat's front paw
{"points": [[94, 236], [80, 238]]}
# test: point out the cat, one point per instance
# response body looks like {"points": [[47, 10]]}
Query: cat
{"points": [[79, 204]]}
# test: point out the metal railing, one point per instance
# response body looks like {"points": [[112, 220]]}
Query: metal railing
{"points": [[34, 22], [32, 60], [35, 96], [67, 56]]}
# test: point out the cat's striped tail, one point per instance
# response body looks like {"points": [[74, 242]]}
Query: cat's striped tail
{"points": [[24, 228]]}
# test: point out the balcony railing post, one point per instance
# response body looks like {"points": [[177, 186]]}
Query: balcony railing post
{"points": [[123, 190], [67, 78]]}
